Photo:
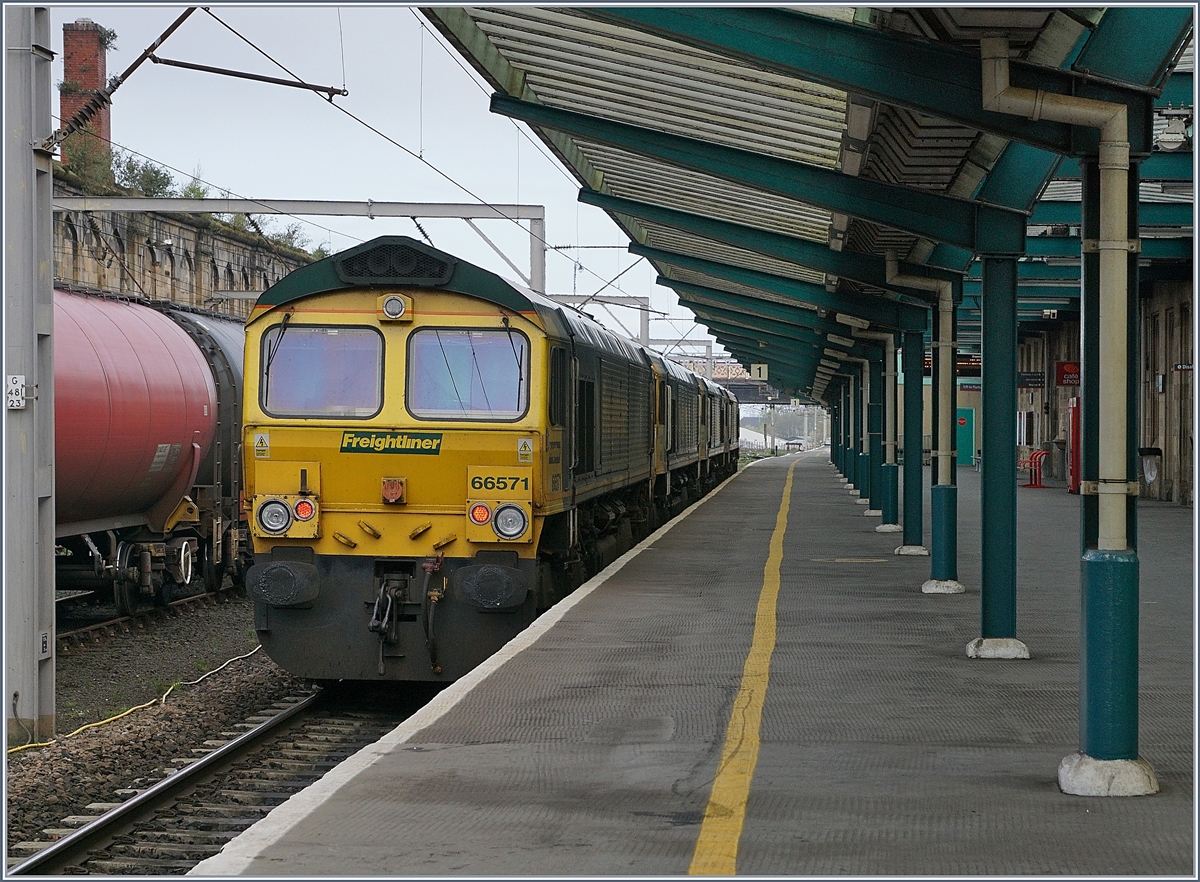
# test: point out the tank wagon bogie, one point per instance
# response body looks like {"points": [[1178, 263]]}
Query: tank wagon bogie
{"points": [[147, 430], [438, 456]]}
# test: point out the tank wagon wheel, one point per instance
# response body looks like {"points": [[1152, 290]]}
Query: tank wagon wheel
{"points": [[125, 590]]}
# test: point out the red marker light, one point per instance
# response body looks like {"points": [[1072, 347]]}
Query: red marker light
{"points": [[480, 513], [305, 510]]}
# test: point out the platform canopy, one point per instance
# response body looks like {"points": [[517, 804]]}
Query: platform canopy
{"points": [[766, 160]]}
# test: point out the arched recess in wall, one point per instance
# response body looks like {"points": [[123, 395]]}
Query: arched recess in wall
{"points": [[172, 281], [187, 276], [122, 268], [73, 270]]}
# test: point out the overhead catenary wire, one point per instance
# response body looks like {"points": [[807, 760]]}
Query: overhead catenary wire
{"points": [[447, 177]]}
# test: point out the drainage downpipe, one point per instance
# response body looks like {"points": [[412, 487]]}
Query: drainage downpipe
{"points": [[890, 502], [1107, 763], [943, 499]]}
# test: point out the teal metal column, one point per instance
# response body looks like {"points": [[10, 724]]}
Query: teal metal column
{"points": [[998, 577], [914, 400], [998, 580], [875, 435]]}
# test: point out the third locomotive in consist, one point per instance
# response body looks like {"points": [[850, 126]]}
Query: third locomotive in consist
{"points": [[433, 456]]}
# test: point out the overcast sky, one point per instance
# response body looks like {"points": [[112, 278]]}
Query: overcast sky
{"points": [[258, 140]]}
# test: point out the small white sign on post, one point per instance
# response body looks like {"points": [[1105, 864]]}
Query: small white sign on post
{"points": [[758, 372]]}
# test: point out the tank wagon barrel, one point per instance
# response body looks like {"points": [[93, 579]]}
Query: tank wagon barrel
{"points": [[439, 455], [147, 425]]}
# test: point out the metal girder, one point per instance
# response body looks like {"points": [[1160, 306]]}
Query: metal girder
{"points": [[1176, 248], [1150, 214], [1018, 177], [732, 318], [1178, 91], [1029, 291], [932, 78], [793, 354], [1136, 44], [981, 228], [689, 293], [875, 309], [865, 268], [753, 323], [1160, 165], [1033, 270]]}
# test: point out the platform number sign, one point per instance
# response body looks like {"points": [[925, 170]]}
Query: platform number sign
{"points": [[758, 372], [795, 402]]}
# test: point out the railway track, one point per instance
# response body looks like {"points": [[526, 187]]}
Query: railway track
{"points": [[210, 797], [97, 632]]}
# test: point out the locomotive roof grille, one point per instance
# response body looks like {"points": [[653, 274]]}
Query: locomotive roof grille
{"points": [[393, 263]]}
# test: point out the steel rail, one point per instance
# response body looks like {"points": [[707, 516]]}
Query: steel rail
{"points": [[75, 847]]}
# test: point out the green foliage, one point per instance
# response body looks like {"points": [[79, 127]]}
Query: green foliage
{"points": [[69, 87], [292, 237], [195, 189], [145, 176], [89, 159], [108, 39], [321, 251]]}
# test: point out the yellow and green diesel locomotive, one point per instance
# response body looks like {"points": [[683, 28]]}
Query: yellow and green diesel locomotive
{"points": [[433, 456]]}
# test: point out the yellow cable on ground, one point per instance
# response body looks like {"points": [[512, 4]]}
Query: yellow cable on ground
{"points": [[162, 700], [717, 845]]}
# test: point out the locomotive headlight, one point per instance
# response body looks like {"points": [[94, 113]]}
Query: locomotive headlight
{"points": [[274, 516], [480, 513], [510, 521], [393, 307], [304, 510]]}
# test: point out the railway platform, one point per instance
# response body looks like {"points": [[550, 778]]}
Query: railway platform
{"points": [[637, 728]]}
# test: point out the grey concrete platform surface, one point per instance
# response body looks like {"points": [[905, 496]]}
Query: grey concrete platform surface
{"points": [[590, 746]]}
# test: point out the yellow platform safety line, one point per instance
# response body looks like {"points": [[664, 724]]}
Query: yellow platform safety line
{"points": [[717, 846]]}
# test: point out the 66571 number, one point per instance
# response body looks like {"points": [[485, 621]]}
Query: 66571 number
{"points": [[491, 483]]}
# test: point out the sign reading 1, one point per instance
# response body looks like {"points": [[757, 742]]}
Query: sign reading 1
{"points": [[758, 372]]}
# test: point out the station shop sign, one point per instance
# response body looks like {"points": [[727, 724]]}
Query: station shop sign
{"points": [[1066, 373]]}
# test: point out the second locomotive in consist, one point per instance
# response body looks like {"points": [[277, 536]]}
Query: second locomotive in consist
{"points": [[433, 456]]}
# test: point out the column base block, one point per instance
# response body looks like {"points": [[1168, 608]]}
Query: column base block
{"points": [[1082, 775], [943, 586], [912, 551], [873, 513], [889, 528], [853, 491], [997, 647], [862, 500]]}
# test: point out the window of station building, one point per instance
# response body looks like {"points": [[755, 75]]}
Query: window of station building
{"points": [[468, 373], [560, 378], [320, 371]]}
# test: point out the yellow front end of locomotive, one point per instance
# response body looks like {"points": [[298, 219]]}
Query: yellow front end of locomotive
{"points": [[400, 477]]}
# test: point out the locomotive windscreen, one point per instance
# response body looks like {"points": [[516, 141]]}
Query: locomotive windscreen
{"points": [[314, 371], [468, 374]]}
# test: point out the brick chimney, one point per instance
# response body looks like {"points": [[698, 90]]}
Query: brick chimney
{"points": [[85, 70]]}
